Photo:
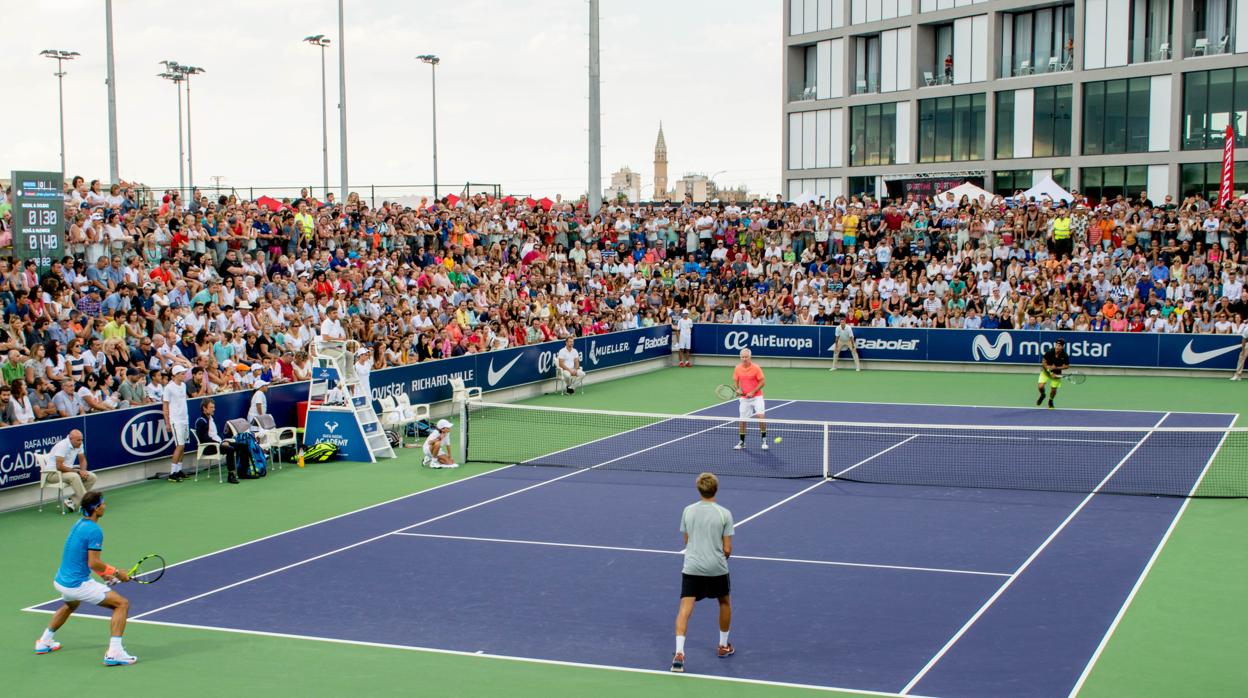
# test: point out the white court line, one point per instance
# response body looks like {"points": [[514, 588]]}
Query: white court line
{"points": [[1010, 407], [689, 676], [831, 563], [1122, 611], [415, 525], [931, 663]]}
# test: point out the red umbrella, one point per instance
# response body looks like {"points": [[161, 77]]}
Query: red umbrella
{"points": [[509, 200], [546, 203], [270, 203], [451, 200], [530, 201]]}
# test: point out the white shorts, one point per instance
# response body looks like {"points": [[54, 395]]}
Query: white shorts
{"points": [[181, 434], [684, 343], [750, 406], [91, 591]]}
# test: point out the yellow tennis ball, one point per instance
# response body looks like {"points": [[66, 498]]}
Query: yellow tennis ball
{"points": [[777, 439]]}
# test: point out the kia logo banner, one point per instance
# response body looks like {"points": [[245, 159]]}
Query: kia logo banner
{"points": [[1119, 349]]}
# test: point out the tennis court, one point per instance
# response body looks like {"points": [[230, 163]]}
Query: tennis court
{"points": [[957, 587]]}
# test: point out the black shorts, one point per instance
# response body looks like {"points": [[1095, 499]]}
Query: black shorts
{"points": [[700, 587]]}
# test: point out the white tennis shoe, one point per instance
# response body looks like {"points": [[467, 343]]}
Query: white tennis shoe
{"points": [[119, 659], [765, 446], [740, 445]]}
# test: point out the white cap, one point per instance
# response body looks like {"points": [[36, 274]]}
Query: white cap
{"points": [[444, 424], [261, 383], [178, 369]]}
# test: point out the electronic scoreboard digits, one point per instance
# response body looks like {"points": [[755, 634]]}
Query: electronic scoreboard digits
{"points": [[38, 217]]}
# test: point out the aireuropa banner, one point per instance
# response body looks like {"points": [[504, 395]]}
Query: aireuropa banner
{"points": [[1116, 349], [137, 434]]}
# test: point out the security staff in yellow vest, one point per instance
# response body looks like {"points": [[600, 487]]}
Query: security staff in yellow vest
{"points": [[1060, 232]]}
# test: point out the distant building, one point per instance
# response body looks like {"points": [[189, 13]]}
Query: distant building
{"points": [[698, 187], [660, 168], [624, 183]]}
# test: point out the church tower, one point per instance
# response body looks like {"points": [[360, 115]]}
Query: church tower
{"points": [[660, 167]]}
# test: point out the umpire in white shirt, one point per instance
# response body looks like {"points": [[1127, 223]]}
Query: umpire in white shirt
{"points": [[845, 340], [66, 463], [568, 363]]}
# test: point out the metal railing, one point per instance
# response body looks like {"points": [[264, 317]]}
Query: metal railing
{"points": [[372, 194]]}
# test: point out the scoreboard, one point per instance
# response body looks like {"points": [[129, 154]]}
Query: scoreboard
{"points": [[38, 217]]}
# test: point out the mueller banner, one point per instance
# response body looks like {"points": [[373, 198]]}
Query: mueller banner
{"points": [[1109, 349], [137, 434]]}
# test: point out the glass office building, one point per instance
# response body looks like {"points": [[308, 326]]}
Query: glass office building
{"points": [[1110, 97]]}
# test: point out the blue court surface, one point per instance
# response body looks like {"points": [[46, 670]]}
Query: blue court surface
{"points": [[897, 589]]}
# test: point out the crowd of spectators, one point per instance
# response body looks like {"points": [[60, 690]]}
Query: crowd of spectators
{"points": [[237, 291]]}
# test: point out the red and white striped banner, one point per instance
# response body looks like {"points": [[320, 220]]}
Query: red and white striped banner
{"points": [[1227, 187]]}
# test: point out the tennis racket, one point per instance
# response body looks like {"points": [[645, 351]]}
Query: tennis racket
{"points": [[726, 392], [1074, 377], [148, 569]]}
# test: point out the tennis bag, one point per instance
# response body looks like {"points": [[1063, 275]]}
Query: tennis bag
{"points": [[320, 452], [253, 462], [420, 427]]}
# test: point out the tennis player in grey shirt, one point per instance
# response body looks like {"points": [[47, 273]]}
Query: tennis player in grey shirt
{"points": [[708, 544]]}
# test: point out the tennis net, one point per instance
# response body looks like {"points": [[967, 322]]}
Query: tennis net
{"points": [[1178, 462]]}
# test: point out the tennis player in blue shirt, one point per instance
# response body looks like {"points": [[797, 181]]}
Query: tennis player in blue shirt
{"points": [[73, 580]]}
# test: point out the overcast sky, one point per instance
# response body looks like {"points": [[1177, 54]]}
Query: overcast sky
{"points": [[512, 90]]}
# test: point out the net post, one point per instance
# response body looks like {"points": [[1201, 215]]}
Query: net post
{"points": [[461, 447], [827, 451]]}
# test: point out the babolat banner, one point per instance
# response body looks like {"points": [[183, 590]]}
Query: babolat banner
{"points": [[138, 434], [1110, 349]]}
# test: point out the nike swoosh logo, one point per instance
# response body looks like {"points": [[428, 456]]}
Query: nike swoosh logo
{"points": [[495, 376], [1196, 357]]}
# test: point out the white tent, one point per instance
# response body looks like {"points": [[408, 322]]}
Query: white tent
{"points": [[970, 191], [1048, 189]]}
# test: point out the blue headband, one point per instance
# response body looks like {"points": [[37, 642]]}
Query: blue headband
{"points": [[87, 511]]}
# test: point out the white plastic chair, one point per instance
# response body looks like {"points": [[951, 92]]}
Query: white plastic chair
{"points": [[61, 487], [1055, 64], [1201, 47], [209, 454], [928, 79], [266, 432], [1025, 68], [1164, 50], [460, 394]]}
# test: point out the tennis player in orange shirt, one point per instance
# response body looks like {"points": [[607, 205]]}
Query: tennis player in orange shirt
{"points": [[749, 380]]}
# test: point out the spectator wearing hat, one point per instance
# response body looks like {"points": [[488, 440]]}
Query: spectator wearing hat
{"points": [[259, 401], [437, 447]]}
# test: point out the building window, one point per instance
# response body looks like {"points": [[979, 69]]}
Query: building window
{"points": [[873, 133], [1037, 41], [1005, 125], [866, 64], [1052, 122], [1209, 27], [859, 186], [951, 129], [1115, 116], [1150, 30], [943, 56], [1007, 182], [1205, 179], [1050, 119], [1213, 100], [1109, 182]]}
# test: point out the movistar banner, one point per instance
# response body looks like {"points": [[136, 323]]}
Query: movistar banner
{"points": [[1121, 349], [138, 434]]}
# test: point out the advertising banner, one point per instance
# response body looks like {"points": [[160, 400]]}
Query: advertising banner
{"points": [[1109, 349], [137, 434]]}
